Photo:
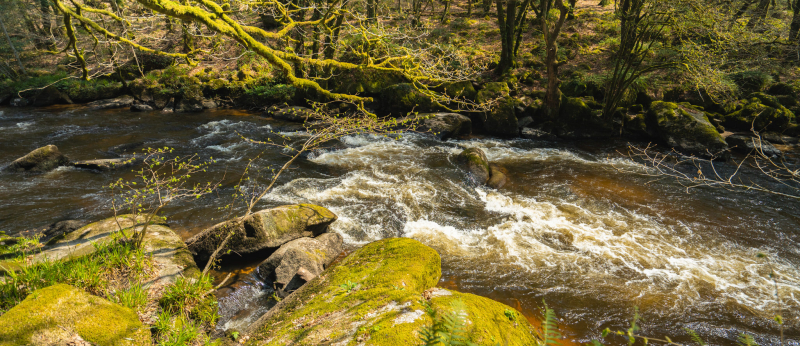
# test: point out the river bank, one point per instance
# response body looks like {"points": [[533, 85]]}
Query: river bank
{"points": [[569, 226]]}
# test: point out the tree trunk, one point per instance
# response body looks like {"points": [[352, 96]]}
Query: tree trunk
{"points": [[13, 49], [372, 7], [553, 94], [759, 14], [794, 29]]}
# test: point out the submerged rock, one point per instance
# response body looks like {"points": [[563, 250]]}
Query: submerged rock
{"points": [[749, 144], [474, 161], [269, 228], [104, 165], [685, 129], [445, 125], [378, 296], [40, 160], [55, 315], [117, 102], [300, 261]]}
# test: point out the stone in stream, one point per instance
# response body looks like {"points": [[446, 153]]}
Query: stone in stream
{"points": [[445, 125], [117, 102], [498, 178], [105, 165], [19, 102], [167, 249], [299, 261], [141, 107], [378, 295], [54, 230], [474, 161], [748, 144], [265, 229], [50, 96], [40, 160], [65, 315]]}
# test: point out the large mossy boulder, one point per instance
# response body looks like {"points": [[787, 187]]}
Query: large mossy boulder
{"points": [[40, 160], [474, 161], [265, 229], [404, 97], [762, 112], [55, 314], [582, 118], [458, 90], [502, 120], [685, 128], [300, 261], [379, 295], [444, 125], [363, 81]]}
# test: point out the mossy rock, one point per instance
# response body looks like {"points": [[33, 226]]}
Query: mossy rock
{"points": [[635, 126], [751, 81], [40, 160], [463, 89], [474, 161], [582, 118], [502, 119], [92, 90], [54, 314], [685, 129], [375, 297], [761, 111], [364, 81], [491, 91], [265, 229], [404, 97], [784, 89]]}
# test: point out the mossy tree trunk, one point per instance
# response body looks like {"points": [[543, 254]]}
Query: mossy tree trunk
{"points": [[510, 22], [550, 32], [11, 44]]}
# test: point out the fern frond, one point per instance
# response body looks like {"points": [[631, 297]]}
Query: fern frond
{"points": [[550, 333], [746, 340], [696, 338]]}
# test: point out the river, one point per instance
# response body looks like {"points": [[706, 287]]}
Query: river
{"points": [[575, 226]]}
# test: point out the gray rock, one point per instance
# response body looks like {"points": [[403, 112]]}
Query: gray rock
{"points": [[265, 229], [209, 104], [289, 113], [117, 102], [525, 121], [536, 134], [19, 102], [40, 160], [445, 125], [685, 129], [141, 107], [104, 165], [474, 161], [748, 144], [300, 261], [189, 105], [172, 258]]}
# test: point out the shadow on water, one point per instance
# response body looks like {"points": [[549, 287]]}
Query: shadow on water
{"points": [[569, 227]]}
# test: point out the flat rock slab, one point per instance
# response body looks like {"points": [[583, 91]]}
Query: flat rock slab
{"points": [[59, 314], [167, 249], [104, 165], [117, 102]]}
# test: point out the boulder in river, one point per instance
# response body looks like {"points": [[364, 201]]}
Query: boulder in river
{"points": [[53, 231], [65, 315], [104, 165], [19, 102], [379, 295], [141, 107], [49, 96], [445, 125], [117, 102], [685, 128], [262, 230], [300, 261], [40, 160], [762, 112], [498, 176], [536, 134], [749, 144], [474, 161]]}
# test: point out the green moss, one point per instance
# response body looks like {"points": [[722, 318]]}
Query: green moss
{"points": [[685, 128], [405, 97], [492, 91], [45, 314], [764, 112]]}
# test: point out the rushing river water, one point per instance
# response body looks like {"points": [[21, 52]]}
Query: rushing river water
{"points": [[569, 228]]}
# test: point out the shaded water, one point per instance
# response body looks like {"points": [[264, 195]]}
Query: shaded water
{"points": [[569, 227]]}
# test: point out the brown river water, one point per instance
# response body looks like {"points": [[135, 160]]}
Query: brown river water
{"points": [[573, 227]]}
